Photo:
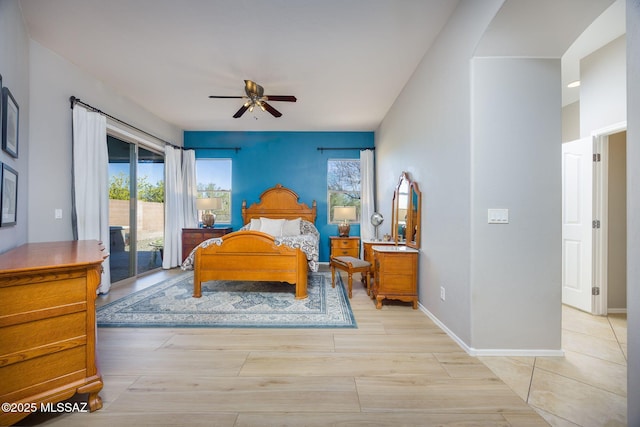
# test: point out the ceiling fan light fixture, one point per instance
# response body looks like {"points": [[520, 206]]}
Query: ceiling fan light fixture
{"points": [[255, 96]]}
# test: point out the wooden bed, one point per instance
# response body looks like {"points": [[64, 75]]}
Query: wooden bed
{"points": [[254, 255]]}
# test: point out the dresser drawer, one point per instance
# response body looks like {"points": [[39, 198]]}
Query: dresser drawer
{"points": [[345, 252], [345, 246]]}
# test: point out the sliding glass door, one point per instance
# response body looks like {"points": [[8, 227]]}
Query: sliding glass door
{"points": [[150, 210], [136, 209]]}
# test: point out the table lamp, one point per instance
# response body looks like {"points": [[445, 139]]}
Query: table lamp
{"points": [[344, 214], [206, 206]]}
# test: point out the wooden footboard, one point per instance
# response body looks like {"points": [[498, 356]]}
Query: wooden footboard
{"points": [[250, 255]]}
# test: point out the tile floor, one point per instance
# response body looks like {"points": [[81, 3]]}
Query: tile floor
{"points": [[588, 386]]}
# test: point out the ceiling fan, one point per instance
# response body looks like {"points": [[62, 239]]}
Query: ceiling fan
{"points": [[255, 97]]}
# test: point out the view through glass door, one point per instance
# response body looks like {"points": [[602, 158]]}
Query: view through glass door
{"points": [[136, 209]]}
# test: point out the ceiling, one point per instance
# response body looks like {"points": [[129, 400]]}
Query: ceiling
{"points": [[345, 61]]}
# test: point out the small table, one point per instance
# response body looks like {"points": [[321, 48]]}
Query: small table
{"points": [[157, 247]]}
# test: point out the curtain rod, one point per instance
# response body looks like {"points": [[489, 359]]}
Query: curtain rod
{"points": [[73, 100], [321, 149]]}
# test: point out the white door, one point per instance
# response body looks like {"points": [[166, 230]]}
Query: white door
{"points": [[577, 226]]}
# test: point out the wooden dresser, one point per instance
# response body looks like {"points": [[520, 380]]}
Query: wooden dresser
{"points": [[345, 246], [367, 252], [396, 274], [48, 326], [192, 237]]}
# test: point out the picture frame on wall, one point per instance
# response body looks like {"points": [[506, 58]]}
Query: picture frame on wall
{"points": [[1, 127], [8, 196], [10, 122]]}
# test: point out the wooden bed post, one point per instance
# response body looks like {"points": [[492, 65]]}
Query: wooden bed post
{"points": [[301, 281], [197, 281]]}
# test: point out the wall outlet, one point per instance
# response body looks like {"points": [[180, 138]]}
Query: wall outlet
{"points": [[442, 294], [57, 213]]}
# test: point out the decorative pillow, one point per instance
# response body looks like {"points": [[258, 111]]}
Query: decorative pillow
{"points": [[291, 227], [255, 224], [271, 226]]}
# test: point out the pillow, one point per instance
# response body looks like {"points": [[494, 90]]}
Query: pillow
{"points": [[291, 227], [254, 224], [271, 226]]}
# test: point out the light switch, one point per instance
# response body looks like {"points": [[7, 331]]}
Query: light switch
{"points": [[498, 216], [58, 214]]}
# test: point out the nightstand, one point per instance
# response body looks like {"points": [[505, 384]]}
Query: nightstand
{"points": [[345, 246], [192, 237]]}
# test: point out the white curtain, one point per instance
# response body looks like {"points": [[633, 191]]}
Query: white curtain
{"points": [[190, 188], [90, 216], [173, 208], [367, 198]]}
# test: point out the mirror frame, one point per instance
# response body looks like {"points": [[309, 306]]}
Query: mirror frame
{"points": [[413, 205]]}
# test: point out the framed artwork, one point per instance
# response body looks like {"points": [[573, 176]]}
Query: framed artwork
{"points": [[10, 116], [1, 127], [8, 196]]}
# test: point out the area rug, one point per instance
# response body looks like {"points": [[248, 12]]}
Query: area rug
{"points": [[231, 304]]}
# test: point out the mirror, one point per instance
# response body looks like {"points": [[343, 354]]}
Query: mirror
{"points": [[405, 212]]}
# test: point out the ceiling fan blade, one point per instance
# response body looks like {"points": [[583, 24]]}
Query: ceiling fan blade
{"points": [[216, 96], [287, 98], [241, 111], [272, 110]]}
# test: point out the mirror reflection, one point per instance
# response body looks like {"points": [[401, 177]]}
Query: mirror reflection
{"points": [[405, 212]]}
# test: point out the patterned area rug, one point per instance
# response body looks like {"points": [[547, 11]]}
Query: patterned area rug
{"points": [[229, 304]]}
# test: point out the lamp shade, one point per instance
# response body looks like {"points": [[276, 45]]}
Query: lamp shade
{"points": [[208, 204], [344, 213]]}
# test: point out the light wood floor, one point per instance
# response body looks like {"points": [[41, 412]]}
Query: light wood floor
{"points": [[397, 369]]}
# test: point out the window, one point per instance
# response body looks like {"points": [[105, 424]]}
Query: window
{"points": [[343, 185], [214, 181]]}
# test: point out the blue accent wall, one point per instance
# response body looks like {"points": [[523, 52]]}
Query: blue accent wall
{"points": [[288, 158]]}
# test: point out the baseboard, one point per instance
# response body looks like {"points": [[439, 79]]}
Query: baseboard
{"points": [[490, 352], [616, 311], [442, 326]]}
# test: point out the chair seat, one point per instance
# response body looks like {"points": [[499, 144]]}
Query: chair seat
{"points": [[350, 265], [351, 262]]}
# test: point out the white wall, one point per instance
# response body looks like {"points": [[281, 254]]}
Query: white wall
{"points": [[633, 207], [571, 122], [516, 267], [471, 137], [603, 89], [53, 81], [14, 68], [427, 133]]}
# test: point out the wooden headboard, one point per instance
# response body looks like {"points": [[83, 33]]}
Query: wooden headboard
{"points": [[279, 202]]}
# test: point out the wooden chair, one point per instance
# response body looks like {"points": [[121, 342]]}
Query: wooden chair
{"points": [[350, 265]]}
